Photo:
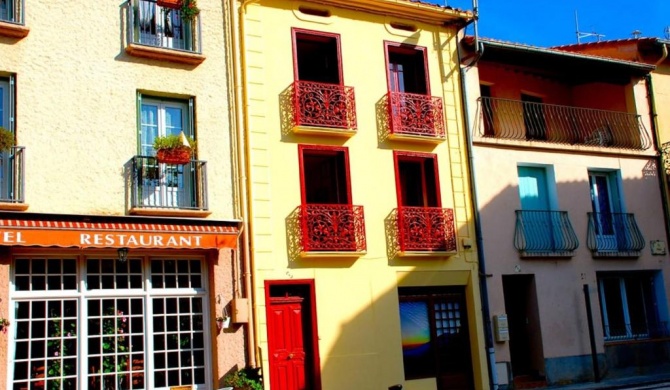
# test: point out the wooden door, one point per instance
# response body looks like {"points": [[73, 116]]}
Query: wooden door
{"points": [[286, 344]]}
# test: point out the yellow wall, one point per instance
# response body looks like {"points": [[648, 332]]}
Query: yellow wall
{"points": [[661, 84], [357, 301]]}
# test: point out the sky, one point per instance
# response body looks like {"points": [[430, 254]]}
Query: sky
{"points": [[552, 22]]}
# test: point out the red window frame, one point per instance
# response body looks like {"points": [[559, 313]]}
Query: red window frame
{"points": [[403, 48], [323, 150], [399, 157], [316, 36]]}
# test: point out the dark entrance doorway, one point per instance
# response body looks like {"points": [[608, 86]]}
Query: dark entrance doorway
{"points": [[525, 342]]}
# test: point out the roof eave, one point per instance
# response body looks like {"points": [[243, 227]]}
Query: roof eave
{"points": [[423, 12]]}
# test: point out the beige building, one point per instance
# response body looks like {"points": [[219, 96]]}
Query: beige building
{"points": [[571, 211], [115, 264]]}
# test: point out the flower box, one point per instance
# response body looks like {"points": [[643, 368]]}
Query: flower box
{"points": [[174, 4], [176, 156]]}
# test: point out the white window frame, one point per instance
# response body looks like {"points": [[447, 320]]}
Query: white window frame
{"points": [[81, 295]]}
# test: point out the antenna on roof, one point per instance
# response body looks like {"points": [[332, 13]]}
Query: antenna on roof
{"points": [[581, 35], [666, 31], [636, 34]]}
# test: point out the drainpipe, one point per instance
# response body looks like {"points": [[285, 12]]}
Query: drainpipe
{"points": [[241, 180], [660, 169], [488, 335]]}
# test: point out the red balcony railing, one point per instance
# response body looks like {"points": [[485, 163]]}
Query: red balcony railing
{"points": [[426, 229], [332, 227], [414, 114], [324, 105]]}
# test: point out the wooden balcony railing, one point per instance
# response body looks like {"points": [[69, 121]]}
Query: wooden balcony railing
{"points": [[416, 115], [426, 229], [12, 174], [518, 120], [324, 105], [168, 186], [544, 233], [332, 228], [152, 25], [614, 235]]}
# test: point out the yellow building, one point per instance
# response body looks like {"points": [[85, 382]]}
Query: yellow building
{"points": [[360, 214], [114, 264]]}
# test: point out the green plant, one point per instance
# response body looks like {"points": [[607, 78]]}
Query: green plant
{"points": [[6, 139], [244, 379], [60, 345], [189, 9], [173, 141], [4, 324]]}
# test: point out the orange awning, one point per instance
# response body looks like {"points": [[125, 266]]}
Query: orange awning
{"points": [[69, 234]]}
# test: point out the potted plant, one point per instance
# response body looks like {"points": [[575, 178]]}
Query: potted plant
{"points": [[189, 9], [244, 379], [6, 140], [174, 149], [4, 324], [174, 4]]}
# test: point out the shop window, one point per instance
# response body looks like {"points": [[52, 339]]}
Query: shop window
{"points": [[317, 57], [325, 175], [632, 305], [132, 325], [417, 180], [435, 335], [407, 69]]}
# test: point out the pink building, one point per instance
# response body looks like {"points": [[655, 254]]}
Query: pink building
{"points": [[571, 213]]}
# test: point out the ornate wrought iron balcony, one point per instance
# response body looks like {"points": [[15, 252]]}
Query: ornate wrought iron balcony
{"points": [[168, 186], [153, 25], [332, 228], [324, 105], [416, 115], [544, 233], [614, 235], [426, 229], [518, 120]]}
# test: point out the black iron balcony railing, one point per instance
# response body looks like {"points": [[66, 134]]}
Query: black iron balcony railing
{"points": [[168, 186], [544, 233], [12, 175], [324, 105], [415, 114], [152, 25], [332, 228], [636, 331], [614, 235], [426, 229], [519, 120], [11, 11]]}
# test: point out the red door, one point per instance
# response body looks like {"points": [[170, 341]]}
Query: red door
{"points": [[286, 343]]}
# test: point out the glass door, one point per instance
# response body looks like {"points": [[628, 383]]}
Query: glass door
{"points": [[166, 185]]}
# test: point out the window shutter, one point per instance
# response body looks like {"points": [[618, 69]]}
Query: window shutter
{"points": [[190, 121], [139, 123], [11, 107]]}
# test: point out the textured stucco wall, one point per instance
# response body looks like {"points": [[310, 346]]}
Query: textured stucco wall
{"points": [[77, 110], [357, 302]]}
